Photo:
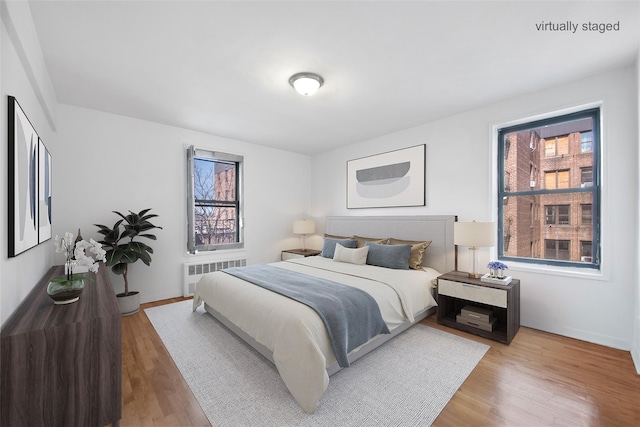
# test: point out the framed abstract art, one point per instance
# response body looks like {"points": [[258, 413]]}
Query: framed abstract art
{"points": [[44, 193], [29, 180], [392, 179]]}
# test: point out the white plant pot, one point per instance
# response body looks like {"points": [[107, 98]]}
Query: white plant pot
{"points": [[129, 304]]}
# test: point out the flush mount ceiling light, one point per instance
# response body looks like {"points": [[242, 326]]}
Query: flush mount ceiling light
{"points": [[306, 83]]}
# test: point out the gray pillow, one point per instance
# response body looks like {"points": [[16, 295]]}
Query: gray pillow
{"points": [[329, 246], [389, 256]]}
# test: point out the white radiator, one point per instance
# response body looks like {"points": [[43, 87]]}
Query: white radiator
{"points": [[195, 270]]}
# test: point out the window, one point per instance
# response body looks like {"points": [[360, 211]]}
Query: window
{"points": [[533, 175], [556, 215], [214, 200], [533, 220], [586, 177], [557, 249], [532, 210], [556, 179], [586, 141], [556, 146], [585, 214], [585, 251]]}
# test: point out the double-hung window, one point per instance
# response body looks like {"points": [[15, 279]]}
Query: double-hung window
{"points": [[549, 191], [214, 205]]}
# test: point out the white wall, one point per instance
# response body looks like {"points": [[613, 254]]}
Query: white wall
{"points": [[22, 75], [104, 162], [460, 180]]}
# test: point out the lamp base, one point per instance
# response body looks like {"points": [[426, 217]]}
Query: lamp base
{"points": [[474, 260]]}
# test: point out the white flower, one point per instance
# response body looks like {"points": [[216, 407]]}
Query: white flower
{"points": [[96, 249], [76, 253], [57, 242]]}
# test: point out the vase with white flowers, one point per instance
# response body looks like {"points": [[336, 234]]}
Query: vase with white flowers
{"points": [[80, 255]]}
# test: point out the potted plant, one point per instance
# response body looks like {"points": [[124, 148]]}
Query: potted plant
{"points": [[123, 249]]}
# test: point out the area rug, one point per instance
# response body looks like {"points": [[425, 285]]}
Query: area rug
{"points": [[406, 382]]}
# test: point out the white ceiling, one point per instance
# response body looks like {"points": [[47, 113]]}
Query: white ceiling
{"points": [[223, 67]]}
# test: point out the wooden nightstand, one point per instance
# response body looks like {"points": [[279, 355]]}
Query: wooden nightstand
{"points": [[456, 291], [298, 253]]}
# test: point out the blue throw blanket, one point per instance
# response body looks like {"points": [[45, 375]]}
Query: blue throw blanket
{"points": [[351, 315]]}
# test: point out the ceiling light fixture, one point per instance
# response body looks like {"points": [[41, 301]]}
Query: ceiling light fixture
{"points": [[306, 83]]}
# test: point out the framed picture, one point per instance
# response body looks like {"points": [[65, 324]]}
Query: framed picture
{"points": [[396, 178], [23, 181], [44, 193]]}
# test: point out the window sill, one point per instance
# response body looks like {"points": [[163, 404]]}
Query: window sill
{"points": [[217, 252], [550, 270]]}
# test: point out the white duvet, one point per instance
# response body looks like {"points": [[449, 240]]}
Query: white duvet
{"points": [[294, 332]]}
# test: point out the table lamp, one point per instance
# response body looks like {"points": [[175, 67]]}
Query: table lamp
{"points": [[474, 235], [304, 227]]}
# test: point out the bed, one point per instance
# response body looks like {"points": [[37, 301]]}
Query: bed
{"points": [[293, 336]]}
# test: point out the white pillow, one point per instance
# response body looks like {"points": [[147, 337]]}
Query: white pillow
{"points": [[352, 256]]}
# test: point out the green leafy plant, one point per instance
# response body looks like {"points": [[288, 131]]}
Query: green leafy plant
{"points": [[121, 245]]}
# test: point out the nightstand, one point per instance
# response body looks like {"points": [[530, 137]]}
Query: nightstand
{"points": [[298, 253], [456, 291]]}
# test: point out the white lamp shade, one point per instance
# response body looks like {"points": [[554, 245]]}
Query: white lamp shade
{"points": [[304, 226], [306, 83], [306, 86], [474, 234]]}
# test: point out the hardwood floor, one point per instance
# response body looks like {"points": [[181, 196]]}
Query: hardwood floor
{"points": [[153, 390], [540, 379], [543, 379]]}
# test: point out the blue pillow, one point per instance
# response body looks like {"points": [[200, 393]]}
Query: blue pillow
{"points": [[329, 245], [389, 256]]}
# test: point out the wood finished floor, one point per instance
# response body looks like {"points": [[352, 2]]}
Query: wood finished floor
{"points": [[540, 379]]}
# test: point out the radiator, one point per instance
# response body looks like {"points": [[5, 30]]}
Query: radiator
{"points": [[194, 271]]}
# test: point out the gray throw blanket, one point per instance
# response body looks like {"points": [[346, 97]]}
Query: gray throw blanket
{"points": [[351, 315]]}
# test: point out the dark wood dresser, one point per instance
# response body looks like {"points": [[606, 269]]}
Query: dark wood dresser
{"points": [[61, 365]]}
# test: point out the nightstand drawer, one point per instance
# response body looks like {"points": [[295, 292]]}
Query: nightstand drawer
{"points": [[288, 255], [298, 253], [485, 295]]}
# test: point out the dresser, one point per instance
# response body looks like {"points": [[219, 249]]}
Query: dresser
{"points": [[458, 292], [62, 364]]}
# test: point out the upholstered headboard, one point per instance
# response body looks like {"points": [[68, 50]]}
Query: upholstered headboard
{"points": [[440, 255]]}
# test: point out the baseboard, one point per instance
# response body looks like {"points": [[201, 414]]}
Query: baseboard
{"points": [[635, 355], [635, 350], [582, 335], [159, 296]]}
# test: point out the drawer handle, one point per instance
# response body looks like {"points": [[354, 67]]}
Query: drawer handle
{"points": [[469, 286]]}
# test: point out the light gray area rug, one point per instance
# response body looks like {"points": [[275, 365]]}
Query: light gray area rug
{"points": [[406, 382]]}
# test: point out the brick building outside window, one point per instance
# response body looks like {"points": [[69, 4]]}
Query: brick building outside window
{"points": [[549, 191]]}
